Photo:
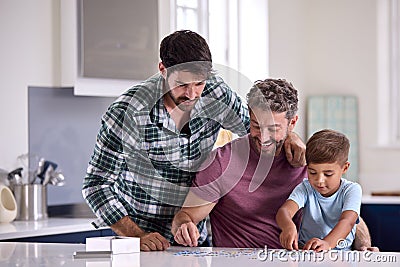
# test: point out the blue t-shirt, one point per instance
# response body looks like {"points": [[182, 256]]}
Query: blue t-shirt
{"points": [[321, 214]]}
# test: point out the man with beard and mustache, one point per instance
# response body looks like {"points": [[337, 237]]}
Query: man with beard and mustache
{"points": [[244, 183], [154, 137]]}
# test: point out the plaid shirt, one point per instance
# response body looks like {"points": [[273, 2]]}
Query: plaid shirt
{"points": [[143, 166]]}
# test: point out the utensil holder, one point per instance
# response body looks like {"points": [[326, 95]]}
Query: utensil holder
{"points": [[31, 202]]}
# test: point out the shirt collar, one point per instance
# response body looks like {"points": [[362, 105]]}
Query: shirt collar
{"points": [[158, 113]]}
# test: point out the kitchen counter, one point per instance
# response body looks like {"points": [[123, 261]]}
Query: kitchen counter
{"points": [[47, 254], [50, 226], [55, 225], [368, 199]]}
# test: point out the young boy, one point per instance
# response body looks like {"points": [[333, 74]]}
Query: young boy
{"points": [[331, 203]]}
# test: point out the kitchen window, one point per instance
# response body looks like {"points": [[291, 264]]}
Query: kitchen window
{"points": [[237, 33], [389, 73], [395, 68], [215, 21], [192, 14]]}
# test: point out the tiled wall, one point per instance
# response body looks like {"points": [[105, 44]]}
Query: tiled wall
{"points": [[63, 129]]}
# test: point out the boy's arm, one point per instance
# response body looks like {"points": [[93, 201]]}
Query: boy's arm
{"points": [[288, 236], [339, 232], [184, 227]]}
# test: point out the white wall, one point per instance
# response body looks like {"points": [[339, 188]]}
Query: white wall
{"points": [[30, 55], [331, 47], [323, 46]]}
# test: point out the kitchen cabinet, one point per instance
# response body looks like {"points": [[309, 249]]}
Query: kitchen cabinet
{"points": [[106, 54], [383, 221], [78, 237], [54, 230]]}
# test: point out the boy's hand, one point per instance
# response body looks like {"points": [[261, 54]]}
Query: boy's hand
{"points": [[317, 245], [288, 239], [187, 234]]}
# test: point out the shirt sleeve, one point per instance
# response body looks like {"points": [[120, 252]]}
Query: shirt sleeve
{"points": [[205, 185], [227, 107], [299, 194], [237, 118], [104, 169], [352, 198]]}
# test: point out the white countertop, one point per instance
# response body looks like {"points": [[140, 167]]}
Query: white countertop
{"points": [[50, 226], [368, 199], [47, 254], [53, 226]]}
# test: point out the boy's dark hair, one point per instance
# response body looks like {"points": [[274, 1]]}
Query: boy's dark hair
{"points": [[327, 146], [276, 95], [186, 47]]}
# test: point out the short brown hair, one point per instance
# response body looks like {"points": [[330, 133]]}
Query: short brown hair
{"points": [[277, 95], [327, 146], [189, 47]]}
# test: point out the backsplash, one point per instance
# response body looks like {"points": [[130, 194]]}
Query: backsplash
{"points": [[63, 129]]}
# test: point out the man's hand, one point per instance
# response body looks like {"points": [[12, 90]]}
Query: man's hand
{"points": [[153, 241], [373, 249], [183, 226], [187, 234], [148, 241], [295, 150], [317, 245]]}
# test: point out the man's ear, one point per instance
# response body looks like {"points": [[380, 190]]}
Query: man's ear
{"points": [[162, 69], [293, 122]]}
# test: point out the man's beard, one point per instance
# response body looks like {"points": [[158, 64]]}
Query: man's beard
{"points": [[273, 145], [180, 100]]}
